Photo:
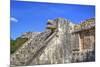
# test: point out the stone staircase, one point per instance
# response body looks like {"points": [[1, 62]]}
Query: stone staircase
{"points": [[53, 46], [25, 53]]}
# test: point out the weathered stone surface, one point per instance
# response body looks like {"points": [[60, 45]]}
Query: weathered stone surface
{"points": [[59, 43], [29, 34], [25, 53]]}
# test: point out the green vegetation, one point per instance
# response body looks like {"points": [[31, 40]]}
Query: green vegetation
{"points": [[15, 44], [86, 23]]}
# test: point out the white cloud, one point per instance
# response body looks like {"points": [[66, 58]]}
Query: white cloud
{"points": [[13, 19]]}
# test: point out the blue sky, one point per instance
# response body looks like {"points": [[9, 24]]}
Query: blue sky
{"points": [[33, 16]]}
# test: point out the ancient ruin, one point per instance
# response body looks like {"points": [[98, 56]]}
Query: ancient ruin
{"points": [[61, 42]]}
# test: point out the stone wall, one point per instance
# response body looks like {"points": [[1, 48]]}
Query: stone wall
{"points": [[86, 51], [25, 53], [56, 45]]}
